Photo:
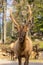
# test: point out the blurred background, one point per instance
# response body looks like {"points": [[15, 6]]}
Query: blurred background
{"points": [[8, 32]]}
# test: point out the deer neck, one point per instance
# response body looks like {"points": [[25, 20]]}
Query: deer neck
{"points": [[22, 41], [22, 44]]}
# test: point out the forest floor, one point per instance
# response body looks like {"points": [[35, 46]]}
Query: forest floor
{"points": [[6, 56]]}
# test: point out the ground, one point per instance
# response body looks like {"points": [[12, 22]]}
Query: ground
{"points": [[16, 63], [7, 58]]}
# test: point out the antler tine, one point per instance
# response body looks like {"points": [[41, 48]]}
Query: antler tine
{"points": [[12, 17], [29, 18], [29, 13]]}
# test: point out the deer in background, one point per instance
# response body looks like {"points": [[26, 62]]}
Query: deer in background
{"points": [[23, 45]]}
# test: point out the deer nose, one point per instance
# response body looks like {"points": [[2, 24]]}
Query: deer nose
{"points": [[20, 38]]}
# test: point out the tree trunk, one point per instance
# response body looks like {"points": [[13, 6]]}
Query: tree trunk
{"points": [[3, 36]]}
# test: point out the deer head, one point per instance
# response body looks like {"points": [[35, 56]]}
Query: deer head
{"points": [[22, 34], [22, 28]]}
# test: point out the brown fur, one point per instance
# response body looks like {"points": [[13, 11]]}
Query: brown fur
{"points": [[27, 47], [23, 46]]}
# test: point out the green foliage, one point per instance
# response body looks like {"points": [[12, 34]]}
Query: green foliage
{"points": [[30, 1], [38, 15], [21, 13], [0, 31], [9, 27], [18, 1]]}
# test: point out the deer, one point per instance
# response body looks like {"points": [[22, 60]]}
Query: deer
{"points": [[23, 45]]}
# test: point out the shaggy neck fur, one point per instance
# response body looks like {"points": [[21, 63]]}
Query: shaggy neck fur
{"points": [[22, 40]]}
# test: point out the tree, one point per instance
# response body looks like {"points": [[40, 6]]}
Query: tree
{"points": [[3, 7], [38, 21], [37, 10], [23, 10]]}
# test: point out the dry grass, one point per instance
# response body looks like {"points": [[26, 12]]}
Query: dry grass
{"points": [[3, 54], [7, 57]]}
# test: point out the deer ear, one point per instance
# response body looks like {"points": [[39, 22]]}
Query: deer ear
{"points": [[25, 28]]}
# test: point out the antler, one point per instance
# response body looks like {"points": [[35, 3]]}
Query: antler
{"points": [[12, 17], [29, 13], [29, 18]]}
